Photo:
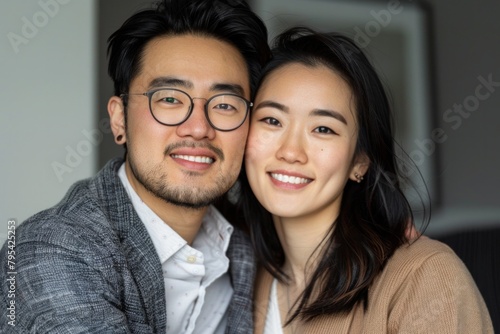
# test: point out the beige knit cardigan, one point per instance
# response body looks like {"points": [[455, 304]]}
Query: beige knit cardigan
{"points": [[424, 288]]}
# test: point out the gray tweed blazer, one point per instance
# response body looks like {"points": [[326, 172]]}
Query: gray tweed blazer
{"points": [[88, 265]]}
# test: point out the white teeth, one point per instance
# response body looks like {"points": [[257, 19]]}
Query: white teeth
{"points": [[203, 160], [289, 179]]}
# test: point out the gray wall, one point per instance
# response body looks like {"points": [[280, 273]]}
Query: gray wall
{"points": [[47, 85], [467, 46]]}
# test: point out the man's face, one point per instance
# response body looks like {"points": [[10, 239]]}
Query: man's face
{"points": [[190, 164]]}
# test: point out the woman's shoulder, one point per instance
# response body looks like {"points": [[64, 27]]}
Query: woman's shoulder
{"points": [[423, 262], [426, 244], [426, 270], [424, 250], [425, 283]]}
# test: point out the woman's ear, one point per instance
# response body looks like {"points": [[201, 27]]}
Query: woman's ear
{"points": [[360, 167], [116, 111]]}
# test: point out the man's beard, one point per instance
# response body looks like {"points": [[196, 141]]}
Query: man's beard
{"points": [[155, 180]]}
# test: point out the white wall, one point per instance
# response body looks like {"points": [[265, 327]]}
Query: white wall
{"points": [[47, 94]]}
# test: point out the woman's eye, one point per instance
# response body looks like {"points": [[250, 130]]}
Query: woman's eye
{"points": [[271, 121], [324, 130]]}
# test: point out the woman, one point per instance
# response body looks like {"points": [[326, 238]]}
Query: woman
{"points": [[331, 226]]}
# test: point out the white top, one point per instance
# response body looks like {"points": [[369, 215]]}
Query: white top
{"points": [[197, 287], [273, 318]]}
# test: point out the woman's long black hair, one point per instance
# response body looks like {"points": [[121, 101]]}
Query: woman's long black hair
{"points": [[375, 217]]}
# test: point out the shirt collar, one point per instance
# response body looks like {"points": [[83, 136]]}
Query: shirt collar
{"points": [[165, 240]]}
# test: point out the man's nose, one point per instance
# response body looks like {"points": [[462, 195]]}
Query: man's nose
{"points": [[197, 125]]}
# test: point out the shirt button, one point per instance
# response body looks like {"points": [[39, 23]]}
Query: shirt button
{"points": [[191, 259]]}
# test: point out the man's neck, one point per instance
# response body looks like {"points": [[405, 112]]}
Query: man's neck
{"points": [[183, 220]]}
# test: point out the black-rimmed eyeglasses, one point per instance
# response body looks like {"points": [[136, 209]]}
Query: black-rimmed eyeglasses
{"points": [[170, 106]]}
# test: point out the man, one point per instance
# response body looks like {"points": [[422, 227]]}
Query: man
{"points": [[139, 248]]}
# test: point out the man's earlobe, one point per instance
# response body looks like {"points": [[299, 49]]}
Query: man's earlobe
{"points": [[116, 111]]}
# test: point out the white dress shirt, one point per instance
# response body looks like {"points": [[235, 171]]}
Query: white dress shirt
{"points": [[197, 286]]}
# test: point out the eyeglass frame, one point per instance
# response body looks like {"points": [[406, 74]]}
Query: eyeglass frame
{"points": [[151, 92]]}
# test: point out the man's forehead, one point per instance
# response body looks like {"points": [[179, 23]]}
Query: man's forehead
{"points": [[187, 60]]}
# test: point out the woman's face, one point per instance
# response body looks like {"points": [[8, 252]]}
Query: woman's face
{"points": [[300, 149]]}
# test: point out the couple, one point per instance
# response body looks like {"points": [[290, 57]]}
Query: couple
{"points": [[141, 247]]}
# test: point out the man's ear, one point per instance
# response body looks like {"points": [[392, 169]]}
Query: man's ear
{"points": [[360, 167], [116, 111]]}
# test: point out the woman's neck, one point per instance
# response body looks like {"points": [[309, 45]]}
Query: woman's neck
{"points": [[302, 241]]}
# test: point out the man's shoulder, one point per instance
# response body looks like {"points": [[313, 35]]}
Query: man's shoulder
{"points": [[78, 205], [83, 210], [76, 226]]}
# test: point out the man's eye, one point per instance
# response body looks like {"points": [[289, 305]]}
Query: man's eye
{"points": [[170, 100], [225, 106]]}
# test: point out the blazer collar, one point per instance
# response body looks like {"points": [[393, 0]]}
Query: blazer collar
{"points": [[139, 250]]}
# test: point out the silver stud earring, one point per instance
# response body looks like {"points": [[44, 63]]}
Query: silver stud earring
{"points": [[358, 177]]}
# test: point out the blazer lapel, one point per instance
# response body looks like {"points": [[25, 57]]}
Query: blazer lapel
{"points": [[138, 247], [242, 271]]}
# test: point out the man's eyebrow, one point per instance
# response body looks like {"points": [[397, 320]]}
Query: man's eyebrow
{"points": [[170, 82], [176, 82], [329, 113], [272, 104], [227, 87]]}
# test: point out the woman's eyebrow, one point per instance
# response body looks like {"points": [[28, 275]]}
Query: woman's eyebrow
{"points": [[329, 113], [272, 104]]}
